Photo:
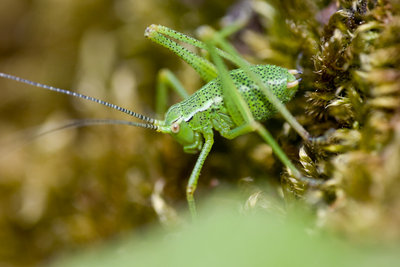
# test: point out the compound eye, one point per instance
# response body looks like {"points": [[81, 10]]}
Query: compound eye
{"points": [[175, 127]]}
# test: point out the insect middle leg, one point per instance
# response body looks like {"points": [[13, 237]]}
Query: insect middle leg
{"points": [[194, 176]]}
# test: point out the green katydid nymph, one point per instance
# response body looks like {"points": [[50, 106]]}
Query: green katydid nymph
{"points": [[232, 103]]}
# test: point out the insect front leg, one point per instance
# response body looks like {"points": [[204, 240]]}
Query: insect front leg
{"points": [[194, 176]]}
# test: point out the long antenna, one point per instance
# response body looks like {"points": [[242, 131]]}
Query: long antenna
{"points": [[78, 95], [31, 135], [91, 122]]}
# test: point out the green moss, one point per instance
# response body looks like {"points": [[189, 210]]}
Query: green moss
{"points": [[351, 87]]}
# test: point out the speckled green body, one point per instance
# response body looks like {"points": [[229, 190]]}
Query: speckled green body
{"points": [[206, 109]]}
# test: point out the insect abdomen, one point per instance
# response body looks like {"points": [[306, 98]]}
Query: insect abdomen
{"points": [[272, 76]]}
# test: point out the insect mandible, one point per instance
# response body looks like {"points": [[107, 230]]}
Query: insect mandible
{"points": [[232, 103]]}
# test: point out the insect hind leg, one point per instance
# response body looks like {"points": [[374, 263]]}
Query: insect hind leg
{"points": [[164, 36], [240, 111]]}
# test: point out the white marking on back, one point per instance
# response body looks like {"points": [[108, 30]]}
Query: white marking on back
{"points": [[215, 101]]}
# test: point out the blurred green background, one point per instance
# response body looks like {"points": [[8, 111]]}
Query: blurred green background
{"points": [[82, 187]]}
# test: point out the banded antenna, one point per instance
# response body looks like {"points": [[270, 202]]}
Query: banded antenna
{"points": [[149, 120]]}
